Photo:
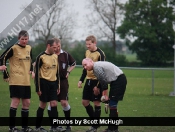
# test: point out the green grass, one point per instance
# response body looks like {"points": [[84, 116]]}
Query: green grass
{"points": [[138, 100]]}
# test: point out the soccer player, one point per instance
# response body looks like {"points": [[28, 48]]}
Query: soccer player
{"points": [[20, 61], [92, 89], [47, 82], [66, 65], [108, 73]]}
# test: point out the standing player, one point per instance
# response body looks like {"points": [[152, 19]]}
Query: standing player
{"points": [[108, 73], [92, 89], [47, 82], [20, 61], [66, 65]]}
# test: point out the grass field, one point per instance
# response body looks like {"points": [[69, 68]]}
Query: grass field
{"points": [[138, 100]]}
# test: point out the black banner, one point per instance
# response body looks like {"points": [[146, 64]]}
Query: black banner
{"points": [[85, 121]]}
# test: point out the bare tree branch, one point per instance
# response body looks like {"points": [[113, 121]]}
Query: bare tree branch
{"points": [[58, 21], [105, 17]]}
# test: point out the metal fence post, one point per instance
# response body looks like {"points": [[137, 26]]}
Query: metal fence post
{"points": [[152, 81], [173, 93]]}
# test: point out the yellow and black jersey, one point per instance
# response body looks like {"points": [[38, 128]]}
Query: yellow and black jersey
{"points": [[20, 61], [97, 55], [46, 68]]}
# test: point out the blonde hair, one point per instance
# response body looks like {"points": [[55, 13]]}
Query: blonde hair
{"points": [[57, 40], [92, 38]]}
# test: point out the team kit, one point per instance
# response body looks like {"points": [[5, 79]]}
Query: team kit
{"points": [[103, 82]]}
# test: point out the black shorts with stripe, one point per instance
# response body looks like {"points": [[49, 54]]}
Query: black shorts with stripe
{"points": [[17, 91], [88, 93], [48, 90], [117, 88], [64, 85]]}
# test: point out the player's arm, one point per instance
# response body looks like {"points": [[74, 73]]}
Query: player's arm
{"points": [[71, 63], [99, 73], [83, 76], [38, 64], [4, 57], [58, 80], [31, 66], [2, 68], [102, 56]]}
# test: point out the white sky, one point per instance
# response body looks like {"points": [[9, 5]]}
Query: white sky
{"points": [[10, 9]]}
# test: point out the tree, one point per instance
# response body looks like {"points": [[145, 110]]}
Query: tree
{"points": [[148, 30], [78, 52], [58, 21], [36, 50], [105, 17], [117, 59]]}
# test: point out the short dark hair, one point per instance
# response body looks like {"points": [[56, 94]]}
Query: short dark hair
{"points": [[50, 41], [23, 33]]}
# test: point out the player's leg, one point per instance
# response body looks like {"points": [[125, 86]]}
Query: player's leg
{"points": [[96, 102], [44, 85], [26, 92], [67, 111], [87, 97], [53, 103], [15, 100], [12, 113], [63, 98], [116, 93]]}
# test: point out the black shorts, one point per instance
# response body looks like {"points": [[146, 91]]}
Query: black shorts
{"points": [[64, 85], [17, 91], [117, 88], [49, 90], [88, 93]]}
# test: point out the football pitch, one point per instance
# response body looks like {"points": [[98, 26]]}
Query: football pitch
{"points": [[138, 100]]}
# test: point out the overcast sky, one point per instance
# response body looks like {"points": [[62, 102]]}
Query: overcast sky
{"points": [[10, 9]]}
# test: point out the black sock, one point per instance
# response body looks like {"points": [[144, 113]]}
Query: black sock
{"points": [[90, 111], [24, 115], [12, 114], [113, 114], [97, 114], [39, 115], [53, 114], [67, 114], [49, 113]]}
